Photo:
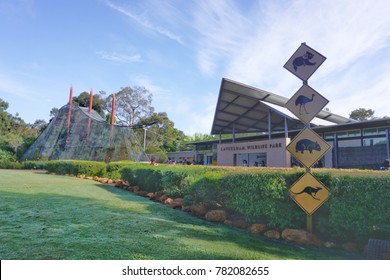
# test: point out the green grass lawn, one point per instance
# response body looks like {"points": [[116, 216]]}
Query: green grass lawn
{"points": [[57, 217]]}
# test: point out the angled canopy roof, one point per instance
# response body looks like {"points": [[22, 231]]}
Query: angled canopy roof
{"points": [[241, 108]]}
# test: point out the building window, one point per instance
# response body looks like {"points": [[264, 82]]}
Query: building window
{"points": [[374, 131], [328, 136], [374, 141], [348, 134], [349, 143]]}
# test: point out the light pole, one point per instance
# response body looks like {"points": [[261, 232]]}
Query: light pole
{"points": [[144, 127]]}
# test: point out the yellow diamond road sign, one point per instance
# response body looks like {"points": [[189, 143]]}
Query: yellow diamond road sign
{"points": [[306, 103], [308, 147], [309, 193], [304, 62]]}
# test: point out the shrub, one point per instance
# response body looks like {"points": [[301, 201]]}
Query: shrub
{"points": [[7, 159], [78, 167]]}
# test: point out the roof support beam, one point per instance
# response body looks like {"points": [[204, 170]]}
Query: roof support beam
{"points": [[269, 124]]}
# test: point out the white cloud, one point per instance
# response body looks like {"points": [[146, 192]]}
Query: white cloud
{"points": [[146, 23], [113, 56], [253, 49]]}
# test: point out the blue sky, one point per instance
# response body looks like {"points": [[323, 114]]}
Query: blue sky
{"points": [[181, 49]]}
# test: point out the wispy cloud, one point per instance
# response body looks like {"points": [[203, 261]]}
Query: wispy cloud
{"points": [[143, 21], [113, 56], [252, 47], [13, 87]]}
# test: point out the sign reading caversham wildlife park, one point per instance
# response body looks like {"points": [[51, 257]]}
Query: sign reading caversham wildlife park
{"points": [[274, 151]]}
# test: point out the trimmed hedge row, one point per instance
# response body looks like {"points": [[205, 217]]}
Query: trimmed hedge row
{"points": [[358, 207]]}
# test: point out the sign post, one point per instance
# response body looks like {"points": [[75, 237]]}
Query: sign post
{"points": [[307, 147]]}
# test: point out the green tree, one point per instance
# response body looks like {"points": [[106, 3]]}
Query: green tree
{"points": [[54, 112], [5, 123], [98, 104], [161, 132], [132, 104], [362, 114]]}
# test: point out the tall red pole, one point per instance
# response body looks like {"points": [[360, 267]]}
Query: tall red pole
{"points": [[89, 111], [69, 110], [90, 101], [113, 109]]}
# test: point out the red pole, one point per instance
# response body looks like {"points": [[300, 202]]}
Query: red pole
{"points": [[69, 111], [71, 95], [90, 101], [113, 109]]}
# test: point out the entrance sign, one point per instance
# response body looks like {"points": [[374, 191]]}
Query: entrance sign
{"points": [[304, 62], [308, 147], [309, 193], [306, 103]]}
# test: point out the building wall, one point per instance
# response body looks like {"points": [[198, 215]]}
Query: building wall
{"points": [[362, 157], [275, 152]]}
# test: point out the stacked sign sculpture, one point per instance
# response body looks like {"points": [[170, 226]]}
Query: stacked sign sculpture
{"points": [[307, 147]]}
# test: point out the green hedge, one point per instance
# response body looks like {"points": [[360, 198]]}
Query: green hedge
{"points": [[358, 206], [77, 167]]}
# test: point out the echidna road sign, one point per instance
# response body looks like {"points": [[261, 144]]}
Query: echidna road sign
{"points": [[309, 193]]}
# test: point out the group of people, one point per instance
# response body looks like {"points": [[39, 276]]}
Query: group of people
{"points": [[256, 163]]}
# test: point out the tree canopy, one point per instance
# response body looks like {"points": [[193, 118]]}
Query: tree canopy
{"points": [[362, 114]]}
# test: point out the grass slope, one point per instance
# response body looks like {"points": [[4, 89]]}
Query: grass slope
{"points": [[56, 217]]}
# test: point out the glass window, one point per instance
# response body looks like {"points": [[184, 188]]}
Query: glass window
{"points": [[343, 134], [354, 133], [349, 143], [374, 131], [329, 136], [374, 141]]}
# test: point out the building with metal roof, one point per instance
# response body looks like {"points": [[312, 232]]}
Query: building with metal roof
{"points": [[260, 132]]}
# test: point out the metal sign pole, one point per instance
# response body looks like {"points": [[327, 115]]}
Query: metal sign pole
{"points": [[309, 223]]}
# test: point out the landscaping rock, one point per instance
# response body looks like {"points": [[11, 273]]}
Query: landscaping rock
{"points": [[257, 228], [330, 245], [168, 201], [273, 234], [198, 210], [163, 198], [240, 223], [177, 203], [119, 183], [216, 216], [228, 222], [142, 193], [350, 247], [300, 237]]}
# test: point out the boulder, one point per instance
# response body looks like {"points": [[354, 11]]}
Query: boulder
{"points": [[198, 210], [218, 216], [300, 237], [273, 234], [330, 245], [168, 201], [350, 247], [257, 228], [119, 183], [240, 223], [177, 203], [163, 198]]}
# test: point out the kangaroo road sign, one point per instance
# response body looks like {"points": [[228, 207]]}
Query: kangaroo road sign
{"points": [[308, 147], [304, 62], [306, 103], [309, 193]]}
